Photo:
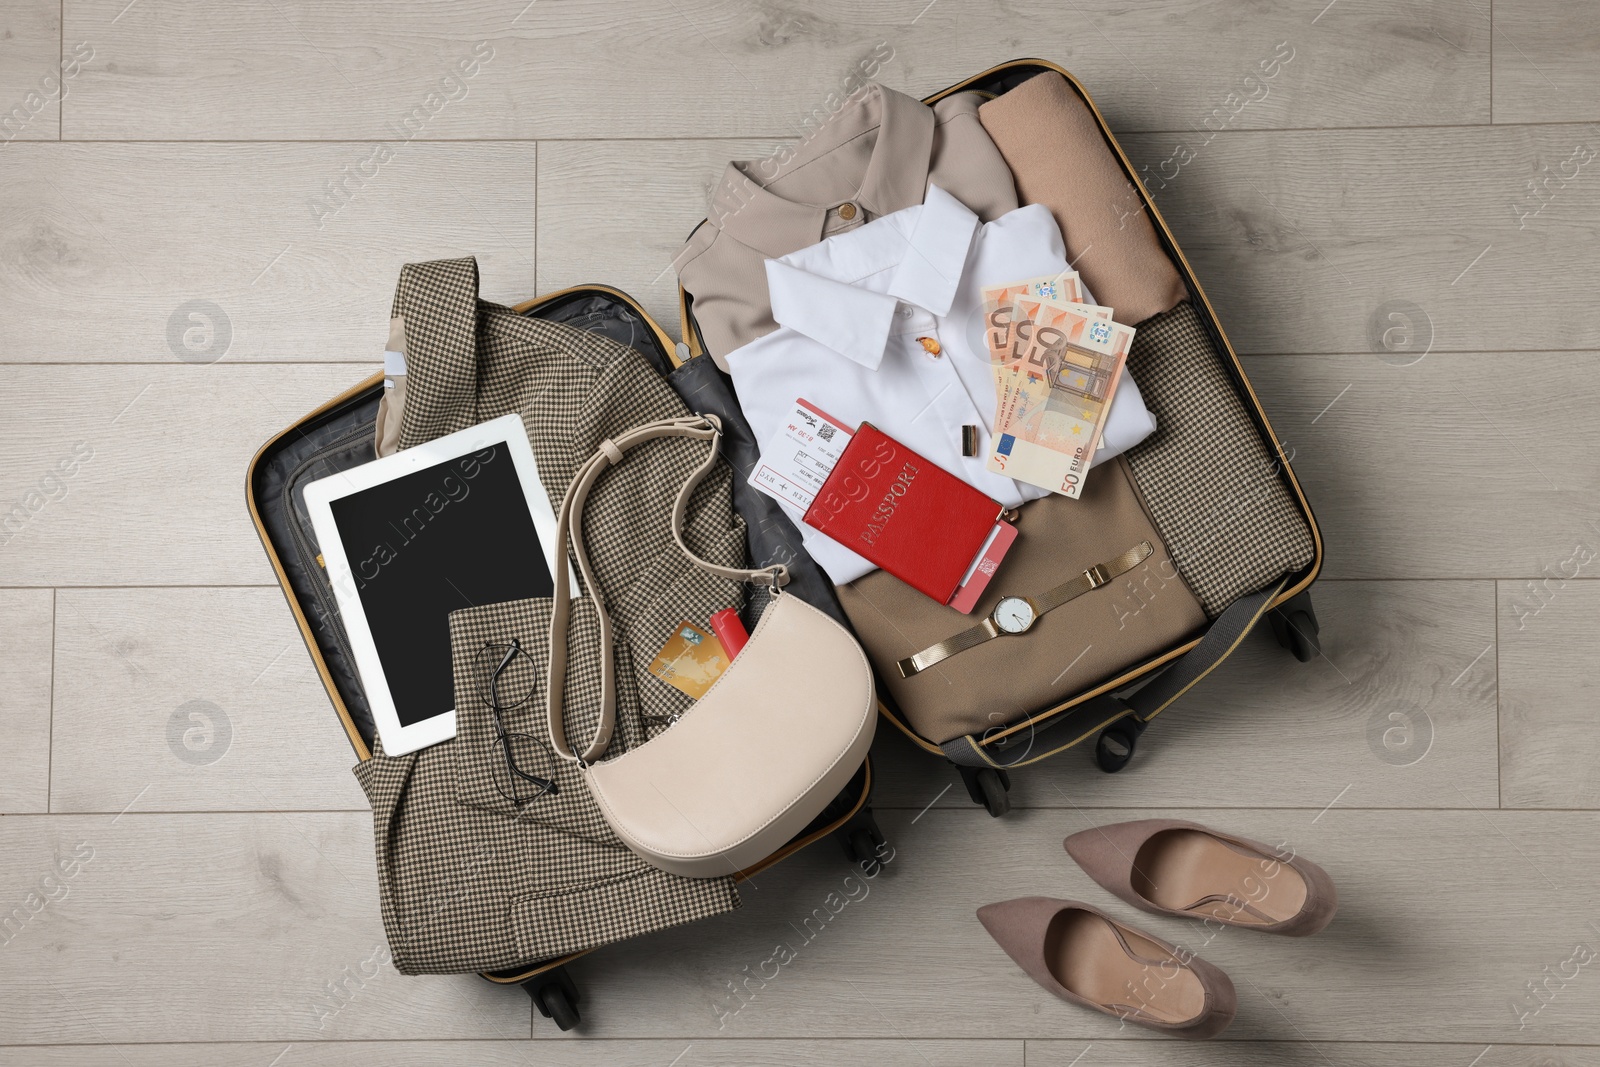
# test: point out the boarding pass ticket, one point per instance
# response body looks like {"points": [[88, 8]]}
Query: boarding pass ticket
{"points": [[793, 467]]}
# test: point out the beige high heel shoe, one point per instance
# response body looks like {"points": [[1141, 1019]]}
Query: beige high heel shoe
{"points": [[1086, 957], [1172, 867]]}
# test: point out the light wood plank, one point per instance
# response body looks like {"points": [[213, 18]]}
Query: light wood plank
{"points": [[199, 699], [619, 211], [1302, 238], [1266, 730], [27, 618], [1444, 916], [1117, 1052], [546, 1053], [1224, 1053], [159, 454], [704, 68], [31, 83], [120, 240], [1440, 469], [215, 928], [1546, 62], [1548, 749]]}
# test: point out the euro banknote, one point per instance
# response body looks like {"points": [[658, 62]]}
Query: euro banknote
{"points": [[1056, 364]]}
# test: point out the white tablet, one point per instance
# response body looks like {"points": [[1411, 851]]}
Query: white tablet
{"points": [[460, 521]]}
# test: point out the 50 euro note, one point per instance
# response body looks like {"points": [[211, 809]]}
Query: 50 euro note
{"points": [[1065, 287], [1054, 390], [1001, 315]]}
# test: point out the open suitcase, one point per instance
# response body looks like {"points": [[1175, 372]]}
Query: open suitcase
{"points": [[1116, 710], [339, 435]]}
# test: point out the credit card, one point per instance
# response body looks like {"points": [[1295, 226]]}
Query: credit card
{"points": [[691, 660]]}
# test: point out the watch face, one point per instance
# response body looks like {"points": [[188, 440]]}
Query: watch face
{"points": [[1013, 615]]}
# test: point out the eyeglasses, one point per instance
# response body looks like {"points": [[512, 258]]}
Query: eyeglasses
{"points": [[522, 766]]}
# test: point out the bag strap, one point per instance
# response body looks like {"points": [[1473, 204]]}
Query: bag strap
{"points": [[1092, 716], [569, 529]]}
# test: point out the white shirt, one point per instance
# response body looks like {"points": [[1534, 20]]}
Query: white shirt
{"points": [[851, 311]]}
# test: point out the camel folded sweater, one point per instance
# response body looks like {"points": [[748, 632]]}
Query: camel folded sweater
{"points": [[1059, 158]]}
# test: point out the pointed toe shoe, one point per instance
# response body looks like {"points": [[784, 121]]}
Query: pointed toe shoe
{"points": [[1172, 867], [1086, 957]]}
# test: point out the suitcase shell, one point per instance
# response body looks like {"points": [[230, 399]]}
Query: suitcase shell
{"points": [[338, 435], [1096, 712]]}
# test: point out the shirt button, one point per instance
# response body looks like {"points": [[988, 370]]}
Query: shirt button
{"points": [[847, 212]]}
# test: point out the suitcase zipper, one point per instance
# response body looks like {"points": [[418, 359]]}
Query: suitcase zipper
{"points": [[309, 558]]}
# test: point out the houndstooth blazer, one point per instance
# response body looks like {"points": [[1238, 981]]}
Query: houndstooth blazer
{"points": [[467, 880]]}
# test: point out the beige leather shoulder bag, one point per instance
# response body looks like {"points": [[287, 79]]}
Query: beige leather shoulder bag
{"points": [[755, 759]]}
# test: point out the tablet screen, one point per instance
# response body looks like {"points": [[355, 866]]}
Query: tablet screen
{"points": [[454, 535]]}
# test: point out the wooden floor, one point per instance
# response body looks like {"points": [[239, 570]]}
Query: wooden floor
{"points": [[167, 907]]}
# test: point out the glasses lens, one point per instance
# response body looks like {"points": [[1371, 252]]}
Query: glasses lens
{"points": [[505, 686], [530, 771]]}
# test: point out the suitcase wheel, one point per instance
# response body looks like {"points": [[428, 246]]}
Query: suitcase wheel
{"points": [[1116, 743], [1295, 626], [556, 996], [989, 787], [862, 840]]}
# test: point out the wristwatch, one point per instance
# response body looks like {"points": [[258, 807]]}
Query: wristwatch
{"points": [[1017, 614]]}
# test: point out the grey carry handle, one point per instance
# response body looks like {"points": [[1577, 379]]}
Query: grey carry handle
{"points": [[1108, 711], [569, 529]]}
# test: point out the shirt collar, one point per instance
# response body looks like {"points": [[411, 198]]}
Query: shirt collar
{"points": [[744, 207], [819, 291]]}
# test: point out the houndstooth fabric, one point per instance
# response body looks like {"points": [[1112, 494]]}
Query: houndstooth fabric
{"points": [[467, 879], [1212, 486]]}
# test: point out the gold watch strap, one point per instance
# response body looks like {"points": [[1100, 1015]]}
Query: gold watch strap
{"points": [[1093, 578], [962, 641]]}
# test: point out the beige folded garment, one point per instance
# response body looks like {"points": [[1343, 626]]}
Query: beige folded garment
{"points": [[1083, 642], [1060, 159]]}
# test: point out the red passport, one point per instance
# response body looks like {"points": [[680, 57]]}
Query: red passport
{"points": [[905, 514]]}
